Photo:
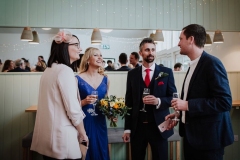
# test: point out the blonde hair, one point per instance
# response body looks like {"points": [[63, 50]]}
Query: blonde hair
{"points": [[84, 62]]}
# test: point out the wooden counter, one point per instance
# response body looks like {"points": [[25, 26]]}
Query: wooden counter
{"points": [[31, 109]]}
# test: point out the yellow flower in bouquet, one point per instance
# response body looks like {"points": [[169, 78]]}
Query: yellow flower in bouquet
{"points": [[113, 107]]}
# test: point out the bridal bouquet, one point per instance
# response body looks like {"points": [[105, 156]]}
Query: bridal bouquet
{"points": [[113, 107]]}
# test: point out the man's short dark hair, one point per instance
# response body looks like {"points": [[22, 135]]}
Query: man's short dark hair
{"points": [[41, 57], [109, 61], [136, 55], [198, 32], [144, 41], [123, 58], [178, 65]]}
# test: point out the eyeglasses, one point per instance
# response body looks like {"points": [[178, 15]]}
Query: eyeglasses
{"points": [[75, 44]]}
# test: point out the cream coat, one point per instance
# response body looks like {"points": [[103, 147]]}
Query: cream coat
{"points": [[58, 112]]}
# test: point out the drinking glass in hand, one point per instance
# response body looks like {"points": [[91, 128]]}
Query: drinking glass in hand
{"points": [[94, 95], [176, 96], [146, 92]]}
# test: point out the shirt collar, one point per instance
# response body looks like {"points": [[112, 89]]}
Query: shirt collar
{"points": [[195, 61], [152, 67]]}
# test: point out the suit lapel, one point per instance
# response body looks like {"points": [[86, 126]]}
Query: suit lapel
{"points": [[139, 80], [200, 63], [155, 74], [184, 83]]}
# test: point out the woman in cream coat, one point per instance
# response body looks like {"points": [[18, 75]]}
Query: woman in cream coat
{"points": [[59, 121]]}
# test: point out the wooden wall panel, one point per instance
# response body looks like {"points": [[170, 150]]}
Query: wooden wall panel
{"points": [[2, 13], [186, 12], [9, 12], [180, 17], [80, 18], [49, 13], [206, 12], [121, 14], [32, 13], [2, 96], [166, 14], [212, 15], [103, 13], [110, 14], [139, 14], [145, 15], [132, 14], [173, 13]]}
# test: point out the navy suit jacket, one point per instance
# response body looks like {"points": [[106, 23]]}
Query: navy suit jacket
{"points": [[163, 90], [207, 123]]}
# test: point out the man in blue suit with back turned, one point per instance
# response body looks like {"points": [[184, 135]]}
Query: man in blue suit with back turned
{"points": [[141, 127], [205, 123]]}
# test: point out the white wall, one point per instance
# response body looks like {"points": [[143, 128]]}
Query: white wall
{"points": [[12, 48], [228, 52]]}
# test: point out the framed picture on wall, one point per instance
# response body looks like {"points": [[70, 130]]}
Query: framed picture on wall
{"points": [[106, 59]]}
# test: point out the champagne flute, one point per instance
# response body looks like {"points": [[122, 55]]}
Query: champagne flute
{"points": [[176, 96], [146, 92], [94, 94]]}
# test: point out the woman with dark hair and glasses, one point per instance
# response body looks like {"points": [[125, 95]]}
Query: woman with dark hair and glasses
{"points": [[59, 121]]}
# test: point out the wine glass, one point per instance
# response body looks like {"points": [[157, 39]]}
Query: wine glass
{"points": [[176, 96], [94, 94], [146, 92]]}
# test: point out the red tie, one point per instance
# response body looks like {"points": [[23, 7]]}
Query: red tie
{"points": [[147, 77]]}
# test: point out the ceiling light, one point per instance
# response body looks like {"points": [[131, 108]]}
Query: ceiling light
{"points": [[96, 37], [46, 28], [208, 40], [26, 34], [35, 38], [158, 36], [106, 30], [218, 37]]}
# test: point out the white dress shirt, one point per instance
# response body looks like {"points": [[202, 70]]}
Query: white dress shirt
{"points": [[192, 65]]}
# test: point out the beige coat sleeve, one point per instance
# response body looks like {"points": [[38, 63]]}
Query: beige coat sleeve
{"points": [[68, 89]]}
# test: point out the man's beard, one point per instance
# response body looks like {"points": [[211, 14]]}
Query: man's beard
{"points": [[149, 60]]}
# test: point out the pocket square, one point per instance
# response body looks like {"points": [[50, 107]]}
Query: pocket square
{"points": [[160, 83]]}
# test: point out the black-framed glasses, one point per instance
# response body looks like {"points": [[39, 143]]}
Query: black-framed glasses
{"points": [[75, 44]]}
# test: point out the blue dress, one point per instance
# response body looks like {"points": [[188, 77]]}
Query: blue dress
{"points": [[95, 126]]}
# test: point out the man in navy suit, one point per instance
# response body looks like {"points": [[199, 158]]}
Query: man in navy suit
{"points": [[205, 100], [141, 127]]}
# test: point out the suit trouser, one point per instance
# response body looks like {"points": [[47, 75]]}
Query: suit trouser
{"points": [[191, 153], [148, 133]]}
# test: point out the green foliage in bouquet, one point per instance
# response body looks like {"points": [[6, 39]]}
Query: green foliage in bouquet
{"points": [[113, 107]]}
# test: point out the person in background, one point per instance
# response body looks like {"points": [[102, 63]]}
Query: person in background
{"points": [[59, 125], [27, 65], [90, 80], [115, 66], [109, 67], [0, 64], [141, 126], [103, 64], [133, 59], [123, 61], [130, 66], [40, 58], [178, 67], [206, 100], [19, 66], [8, 65]]}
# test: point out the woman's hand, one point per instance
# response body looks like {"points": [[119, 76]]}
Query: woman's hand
{"points": [[84, 138], [88, 100]]}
